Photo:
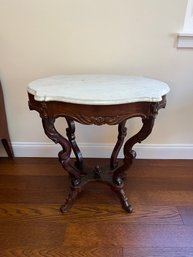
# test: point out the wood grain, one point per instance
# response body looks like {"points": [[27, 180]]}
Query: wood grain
{"points": [[32, 189], [96, 213], [63, 251], [128, 235], [31, 234]]}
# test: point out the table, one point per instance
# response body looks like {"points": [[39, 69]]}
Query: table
{"points": [[97, 99]]}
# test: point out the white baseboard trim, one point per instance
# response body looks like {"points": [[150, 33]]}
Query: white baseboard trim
{"points": [[144, 151], [185, 40]]}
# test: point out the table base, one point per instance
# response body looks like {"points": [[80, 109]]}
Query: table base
{"points": [[115, 174], [101, 175]]}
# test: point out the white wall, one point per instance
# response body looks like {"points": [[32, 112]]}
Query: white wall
{"points": [[40, 38]]}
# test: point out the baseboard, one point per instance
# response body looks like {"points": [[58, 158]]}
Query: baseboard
{"points": [[144, 151]]}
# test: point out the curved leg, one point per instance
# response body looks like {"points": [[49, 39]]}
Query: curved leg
{"points": [[122, 132], [69, 201], [8, 148], [123, 198], [145, 131], [128, 152], [64, 155], [71, 137]]}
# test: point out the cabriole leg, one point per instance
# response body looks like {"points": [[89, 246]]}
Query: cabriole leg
{"points": [[64, 158], [122, 132], [119, 173], [74, 191], [122, 197]]}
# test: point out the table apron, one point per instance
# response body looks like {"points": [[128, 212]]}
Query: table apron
{"points": [[96, 114]]}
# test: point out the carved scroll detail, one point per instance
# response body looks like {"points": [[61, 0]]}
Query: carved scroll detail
{"points": [[100, 120], [148, 123], [64, 155]]}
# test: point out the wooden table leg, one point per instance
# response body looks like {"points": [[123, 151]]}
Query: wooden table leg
{"points": [[74, 191], [122, 132], [70, 131], [4, 134], [129, 154], [64, 158]]}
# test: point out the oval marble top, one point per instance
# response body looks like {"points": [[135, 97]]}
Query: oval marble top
{"points": [[98, 89]]}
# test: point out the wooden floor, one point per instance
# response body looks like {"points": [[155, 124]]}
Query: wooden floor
{"points": [[32, 189]]}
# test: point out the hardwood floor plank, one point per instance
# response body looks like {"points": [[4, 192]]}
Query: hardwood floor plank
{"points": [[33, 182], [32, 196], [140, 167], [159, 197], [96, 213], [53, 189], [31, 166], [180, 184], [158, 252], [127, 235], [31, 234], [161, 168], [63, 251]]}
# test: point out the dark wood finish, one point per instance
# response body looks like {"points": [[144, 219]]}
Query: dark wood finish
{"points": [[122, 132], [114, 174], [70, 131], [4, 133], [31, 225]]}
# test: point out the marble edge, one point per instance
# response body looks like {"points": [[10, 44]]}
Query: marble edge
{"points": [[97, 102]]}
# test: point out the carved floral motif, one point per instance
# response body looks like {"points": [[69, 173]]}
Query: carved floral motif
{"points": [[100, 120]]}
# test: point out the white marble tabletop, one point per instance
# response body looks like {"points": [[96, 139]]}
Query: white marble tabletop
{"points": [[98, 89]]}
